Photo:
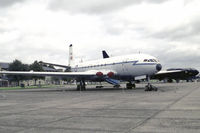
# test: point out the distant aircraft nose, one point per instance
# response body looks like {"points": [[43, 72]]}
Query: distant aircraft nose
{"points": [[196, 72], [158, 67], [193, 71]]}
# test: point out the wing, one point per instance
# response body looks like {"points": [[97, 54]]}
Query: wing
{"points": [[168, 72], [172, 74], [65, 74]]}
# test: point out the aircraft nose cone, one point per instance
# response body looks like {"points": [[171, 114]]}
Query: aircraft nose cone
{"points": [[158, 67], [196, 72]]}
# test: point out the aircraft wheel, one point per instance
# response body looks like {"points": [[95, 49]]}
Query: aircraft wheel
{"points": [[133, 85], [155, 89], [150, 88], [129, 86], [169, 80], [99, 86], [78, 88], [83, 88], [147, 88], [116, 86]]}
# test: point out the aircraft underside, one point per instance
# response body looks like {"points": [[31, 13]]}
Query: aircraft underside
{"points": [[81, 85]]}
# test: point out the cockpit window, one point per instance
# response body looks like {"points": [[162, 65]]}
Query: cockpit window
{"points": [[145, 60], [154, 60], [151, 60]]}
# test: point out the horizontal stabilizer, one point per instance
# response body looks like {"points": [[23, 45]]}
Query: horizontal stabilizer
{"points": [[58, 65]]}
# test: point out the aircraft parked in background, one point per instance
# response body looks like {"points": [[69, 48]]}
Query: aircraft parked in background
{"points": [[187, 74]]}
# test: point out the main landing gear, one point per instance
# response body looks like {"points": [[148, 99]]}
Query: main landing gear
{"points": [[81, 86], [149, 86], [130, 85], [116, 86]]}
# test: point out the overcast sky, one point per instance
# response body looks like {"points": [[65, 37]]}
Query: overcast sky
{"points": [[42, 30]]}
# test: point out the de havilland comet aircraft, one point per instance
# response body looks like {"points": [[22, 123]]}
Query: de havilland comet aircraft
{"points": [[171, 74], [128, 68]]}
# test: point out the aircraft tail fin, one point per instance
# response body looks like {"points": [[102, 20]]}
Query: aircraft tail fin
{"points": [[71, 56], [105, 55]]}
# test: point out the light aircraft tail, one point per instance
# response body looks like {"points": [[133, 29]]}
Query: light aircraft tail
{"points": [[71, 56], [105, 55]]}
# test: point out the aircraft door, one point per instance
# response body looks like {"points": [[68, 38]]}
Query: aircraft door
{"points": [[125, 67]]}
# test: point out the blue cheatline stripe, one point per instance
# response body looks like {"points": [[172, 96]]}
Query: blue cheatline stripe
{"points": [[112, 81], [134, 62], [102, 65], [145, 64], [109, 81]]}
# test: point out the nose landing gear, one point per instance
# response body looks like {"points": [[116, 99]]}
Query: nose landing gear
{"points": [[149, 86]]}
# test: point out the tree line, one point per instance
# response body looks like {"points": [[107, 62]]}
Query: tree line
{"points": [[17, 65]]}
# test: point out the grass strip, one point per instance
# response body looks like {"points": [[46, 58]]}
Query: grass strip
{"points": [[30, 87]]}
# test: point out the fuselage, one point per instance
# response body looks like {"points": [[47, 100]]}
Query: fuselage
{"points": [[130, 65]]}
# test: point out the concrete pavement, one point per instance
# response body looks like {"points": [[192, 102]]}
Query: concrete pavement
{"points": [[174, 108]]}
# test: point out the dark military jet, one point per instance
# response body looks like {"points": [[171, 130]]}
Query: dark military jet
{"points": [[187, 74]]}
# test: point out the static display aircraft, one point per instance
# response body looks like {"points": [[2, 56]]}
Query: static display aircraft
{"points": [[187, 74], [128, 68], [177, 74]]}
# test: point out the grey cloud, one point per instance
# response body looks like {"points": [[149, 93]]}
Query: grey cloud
{"points": [[7, 3], [2, 30], [186, 2], [95, 6], [170, 58], [179, 59], [186, 31]]}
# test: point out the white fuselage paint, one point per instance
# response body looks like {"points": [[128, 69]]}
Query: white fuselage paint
{"points": [[130, 65]]}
